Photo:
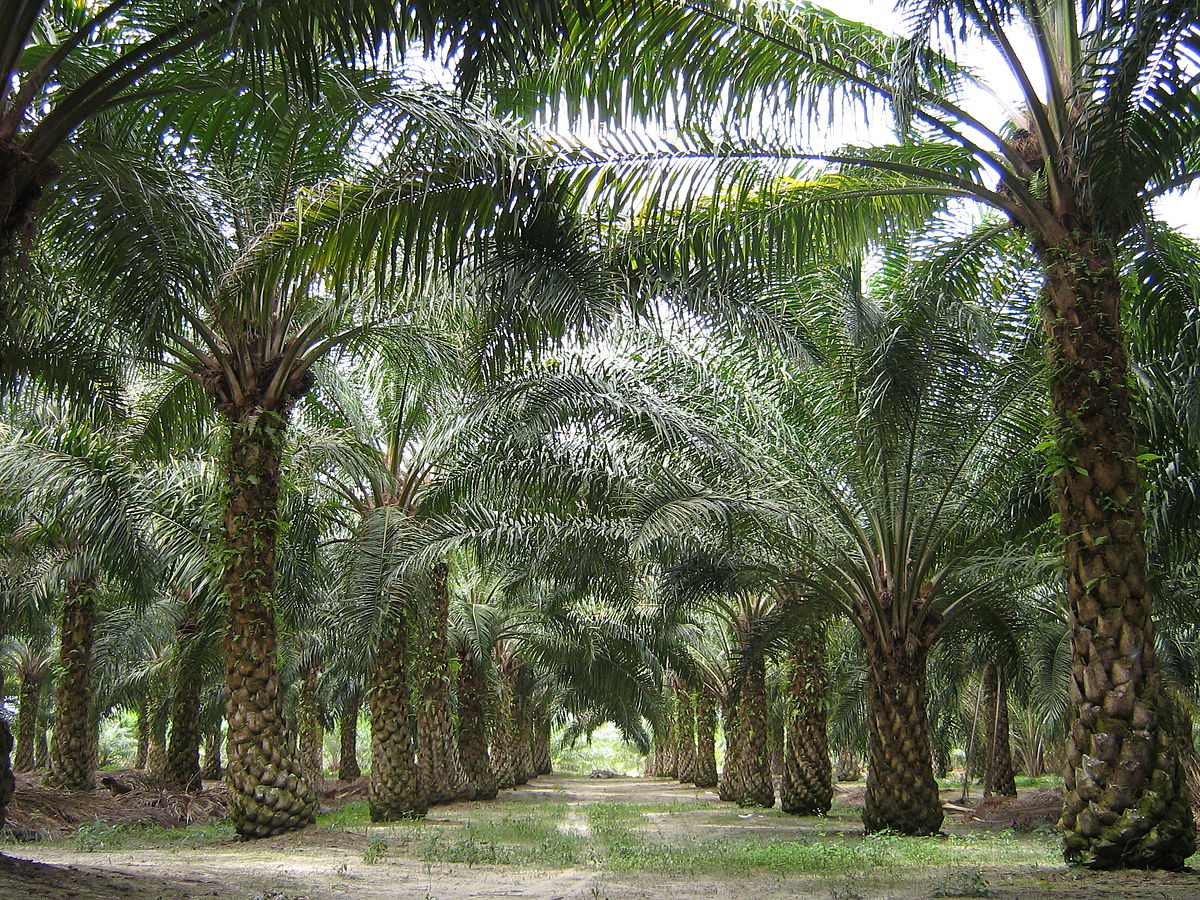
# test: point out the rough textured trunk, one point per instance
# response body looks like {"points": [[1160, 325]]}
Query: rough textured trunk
{"points": [[268, 791], [311, 757], [437, 751], [22, 182], [523, 750], [729, 786], [849, 766], [685, 736], [41, 743], [753, 759], [212, 768], [902, 794], [1124, 798], [777, 735], [28, 711], [395, 790], [706, 741], [8, 781], [143, 732], [183, 751], [543, 758], [472, 727], [504, 732], [74, 749], [159, 712], [348, 768], [807, 785], [998, 776]]}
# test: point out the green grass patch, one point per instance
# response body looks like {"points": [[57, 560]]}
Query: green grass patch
{"points": [[100, 836]]}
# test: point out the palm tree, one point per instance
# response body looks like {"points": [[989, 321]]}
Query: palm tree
{"points": [[807, 785], [250, 341], [79, 495], [1103, 124], [31, 665]]}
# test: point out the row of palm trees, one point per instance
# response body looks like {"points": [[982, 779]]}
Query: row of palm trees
{"points": [[868, 455]]}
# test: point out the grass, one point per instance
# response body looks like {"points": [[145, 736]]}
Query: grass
{"points": [[631, 837], [99, 836]]}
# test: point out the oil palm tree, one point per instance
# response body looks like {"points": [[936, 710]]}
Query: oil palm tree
{"points": [[1103, 122], [249, 342]]}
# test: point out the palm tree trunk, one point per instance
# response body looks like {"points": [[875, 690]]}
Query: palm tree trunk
{"points": [[523, 756], [998, 776], [74, 749], [1124, 798], [348, 768], [504, 737], [8, 782], [902, 794], [41, 744], [685, 736], [543, 756], [807, 785], [849, 766], [156, 746], [753, 758], [730, 786], [437, 751], [706, 750], [395, 790], [212, 769], [143, 733], [312, 759], [27, 724], [269, 793], [472, 727], [183, 751]]}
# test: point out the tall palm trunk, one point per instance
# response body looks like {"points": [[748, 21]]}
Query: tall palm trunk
{"points": [[183, 751], [807, 785], [395, 790], [269, 793], [523, 751], [1124, 798], [902, 794], [729, 786], [41, 741], [504, 736], [998, 775], [8, 782], [312, 755], [348, 768], [472, 726], [156, 745], [543, 761], [706, 741], [143, 732], [849, 766], [212, 768], [29, 698], [685, 736], [74, 749], [753, 759], [437, 750]]}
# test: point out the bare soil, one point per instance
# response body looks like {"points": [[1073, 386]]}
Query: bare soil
{"points": [[324, 863]]}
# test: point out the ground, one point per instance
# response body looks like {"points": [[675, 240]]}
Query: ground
{"points": [[567, 837]]}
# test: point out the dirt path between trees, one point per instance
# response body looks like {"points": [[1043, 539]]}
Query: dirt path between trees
{"points": [[562, 838]]}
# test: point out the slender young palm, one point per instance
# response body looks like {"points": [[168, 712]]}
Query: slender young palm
{"points": [[1104, 122]]}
